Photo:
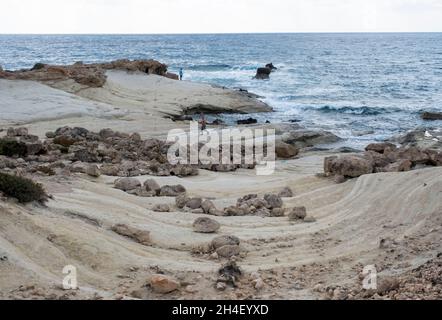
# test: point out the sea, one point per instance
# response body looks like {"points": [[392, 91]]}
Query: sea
{"points": [[364, 87]]}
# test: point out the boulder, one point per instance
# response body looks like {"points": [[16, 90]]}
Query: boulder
{"points": [[414, 154], [273, 201], [163, 284], [172, 76], [221, 241], [85, 156], [206, 225], [127, 184], [431, 116], [110, 170], [140, 236], [347, 166], [286, 193], [172, 191], [17, 132], [263, 73], [398, 166], [298, 213], [380, 147], [285, 151]]}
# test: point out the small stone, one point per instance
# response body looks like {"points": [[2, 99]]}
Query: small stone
{"points": [[161, 208], [258, 284], [206, 225], [338, 179], [181, 200], [152, 186], [273, 200], [163, 284], [194, 203], [277, 212], [309, 220], [221, 286]]}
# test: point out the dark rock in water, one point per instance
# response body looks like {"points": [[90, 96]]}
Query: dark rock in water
{"points": [[431, 116], [294, 120], [182, 118], [38, 66], [267, 121], [247, 121], [217, 122], [271, 66], [263, 73]]}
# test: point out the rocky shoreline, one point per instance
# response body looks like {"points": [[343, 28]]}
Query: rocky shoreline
{"points": [[138, 227]]}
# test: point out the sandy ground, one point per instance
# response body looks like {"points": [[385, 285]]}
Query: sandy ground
{"points": [[292, 258]]}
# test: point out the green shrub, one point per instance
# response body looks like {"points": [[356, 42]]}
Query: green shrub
{"points": [[24, 190], [11, 148]]}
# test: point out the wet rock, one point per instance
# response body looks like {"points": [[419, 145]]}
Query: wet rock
{"points": [[286, 193], [229, 273], [347, 166], [228, 251], [127, 184], [298, 213], [271, 66], [163, 284], [247, 121], [140, 236], [93, 170], [172, 191], [285, 151], [151, 185], [206, 225], [431, 116], [161, 208], [263, 73], [273, 201], [225, 240]]}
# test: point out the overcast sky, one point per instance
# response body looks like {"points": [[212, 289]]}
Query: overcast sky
{"points": [[218, 16]]}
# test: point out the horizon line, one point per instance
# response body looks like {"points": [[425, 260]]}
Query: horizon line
{"points": [[222, 33]]}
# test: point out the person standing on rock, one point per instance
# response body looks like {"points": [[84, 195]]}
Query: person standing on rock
{"points": [[181, 73], [203, 123]]}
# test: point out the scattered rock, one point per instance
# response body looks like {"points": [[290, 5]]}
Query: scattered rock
{"points": [[161, 208], [286, 193], [228, 251], [386, 285], [277, 212], [380, 147], [208, 207], [221, 241], [194, 203], [172, 191], [181, 201], [273, 201], [163, 284], [206, 225], [298, 213], [229, 273], [93, 170], [127, 184], [152, 186]]}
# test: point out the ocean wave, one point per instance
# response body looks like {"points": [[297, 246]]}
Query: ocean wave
{"points": [[362, 111], [210, 67]]}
